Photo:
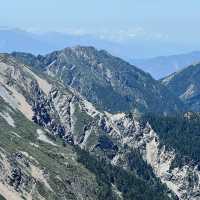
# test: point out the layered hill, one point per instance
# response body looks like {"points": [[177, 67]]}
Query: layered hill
{"points": [[185, 84], [108, 82], [163, 66], [55, 144]]}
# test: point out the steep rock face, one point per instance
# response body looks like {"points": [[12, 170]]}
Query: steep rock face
{"points": [[125, 131], [47, 160], [108, 82], [33, 166], [185, 84], [19, 176], [183, 181], [65, 113], [38, 100], [33, 162]]}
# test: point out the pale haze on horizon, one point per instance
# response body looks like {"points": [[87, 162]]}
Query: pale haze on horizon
{"points": [[174, 22]]}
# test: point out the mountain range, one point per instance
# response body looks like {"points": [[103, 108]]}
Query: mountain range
{"points": [[163, 66], [79, 123], [137, 51], [108, 82]]}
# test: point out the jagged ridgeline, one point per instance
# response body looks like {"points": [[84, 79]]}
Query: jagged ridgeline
{"points": [[108, 82], [61, 140]]}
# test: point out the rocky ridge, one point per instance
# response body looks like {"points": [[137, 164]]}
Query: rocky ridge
{"points": [[108, 82], [64, 113]]}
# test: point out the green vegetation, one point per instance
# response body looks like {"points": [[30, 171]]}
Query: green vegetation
{"points": [[2, 198], [66, 176], [180, 133], [82, 120], [90, 176], [185, 84], [111, 100], [137, 164], [131, 186], [108, 82]]}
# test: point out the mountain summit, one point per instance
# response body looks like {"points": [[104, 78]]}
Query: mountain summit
{"points": [[107, 81], [55, 144]]}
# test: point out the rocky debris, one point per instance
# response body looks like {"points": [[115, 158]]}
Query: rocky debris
{"points": [[108, 82], [112, 135], [46, 115], [27, 84], [61, 102], [15, 174], [68, 139], [15, 178], [184, 181], [104, 125]]}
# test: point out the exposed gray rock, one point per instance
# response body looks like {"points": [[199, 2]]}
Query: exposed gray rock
{"points": [[108, 82], [64, 112]]}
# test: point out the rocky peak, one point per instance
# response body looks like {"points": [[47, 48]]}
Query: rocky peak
{"points": [[107, 81], [63, 116]]}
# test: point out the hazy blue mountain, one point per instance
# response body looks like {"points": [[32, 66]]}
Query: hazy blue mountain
{"points": [[15, 39], [162, 66], [129, 49], [42, 43]]}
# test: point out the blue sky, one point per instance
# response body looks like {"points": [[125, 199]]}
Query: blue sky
{"points": [[151, 15], [120, 20]]}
